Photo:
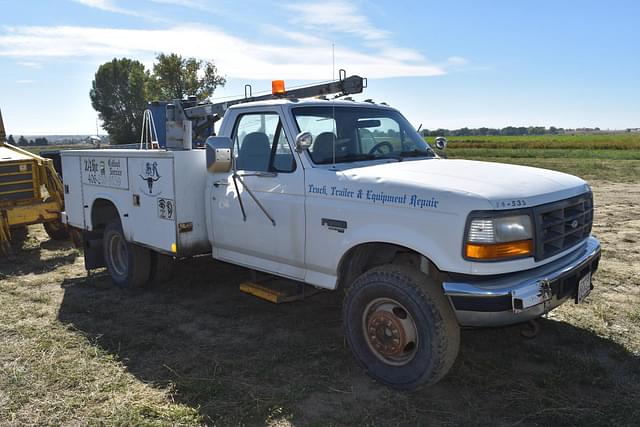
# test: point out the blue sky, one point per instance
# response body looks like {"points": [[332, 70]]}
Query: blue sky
{"points": [[443, 64]]}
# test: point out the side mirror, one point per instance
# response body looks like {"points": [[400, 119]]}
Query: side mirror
{"points": [[303, 141], [441, 143], [219, 153]]}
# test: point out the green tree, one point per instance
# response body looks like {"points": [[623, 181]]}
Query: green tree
{"points": [[175, 77], [118, 94], [122, 87], [11, 141], [22, 141]]}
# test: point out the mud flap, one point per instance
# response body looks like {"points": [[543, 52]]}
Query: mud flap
{"points": [[93, 252]]}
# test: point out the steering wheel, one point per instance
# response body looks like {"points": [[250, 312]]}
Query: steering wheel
{"points": [[378, 147]]}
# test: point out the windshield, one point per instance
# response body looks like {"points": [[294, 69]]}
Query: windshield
{"points": [[359, 133]]}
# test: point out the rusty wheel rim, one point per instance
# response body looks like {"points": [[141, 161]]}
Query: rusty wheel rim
{"points": [[390, 331]]}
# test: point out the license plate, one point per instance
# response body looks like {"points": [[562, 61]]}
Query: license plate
{"points": [[584, 288]]}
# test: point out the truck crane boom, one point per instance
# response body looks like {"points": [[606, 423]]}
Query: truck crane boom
{"points": [[183, 123]]}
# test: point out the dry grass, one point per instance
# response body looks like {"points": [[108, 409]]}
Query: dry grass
{"points": [[76, 350]]}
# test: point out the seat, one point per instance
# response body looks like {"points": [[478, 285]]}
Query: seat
{"points": [[322, 149], [254, 153]]}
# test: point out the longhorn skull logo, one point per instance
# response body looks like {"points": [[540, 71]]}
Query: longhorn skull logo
{"points": [[150, 174]]}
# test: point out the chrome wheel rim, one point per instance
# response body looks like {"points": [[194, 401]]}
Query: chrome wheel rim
{"points": [[390, 331]]}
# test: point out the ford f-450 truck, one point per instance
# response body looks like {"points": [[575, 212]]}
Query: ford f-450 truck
{"points": [[343, 195]]}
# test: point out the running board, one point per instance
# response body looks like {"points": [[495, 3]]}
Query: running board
{"points": [[277, 293]]}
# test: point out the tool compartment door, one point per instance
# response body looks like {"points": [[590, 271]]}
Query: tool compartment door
{"points": [[152, 218], [72, 182], [191, 171]]}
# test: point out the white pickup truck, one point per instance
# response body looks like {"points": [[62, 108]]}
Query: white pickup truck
{"points": [[346, 195]]}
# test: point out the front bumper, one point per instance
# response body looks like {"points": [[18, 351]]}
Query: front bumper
{"points": [[518, 297]]}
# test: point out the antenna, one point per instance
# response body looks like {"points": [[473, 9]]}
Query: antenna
{"points": [[333, 105], [335, 131], [333, 60]]}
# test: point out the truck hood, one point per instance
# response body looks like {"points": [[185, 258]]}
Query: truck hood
{"points": [[498, 183]]}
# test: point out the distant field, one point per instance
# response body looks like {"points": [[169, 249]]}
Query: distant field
{"points": [[599, 141], [38, 149], [544, 153], [614, 157], [588, 169]]}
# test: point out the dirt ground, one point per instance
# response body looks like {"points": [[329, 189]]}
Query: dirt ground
{"points": [[75, 349]]}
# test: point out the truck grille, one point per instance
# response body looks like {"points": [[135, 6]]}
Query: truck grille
{"points": [[17, 182], [561, 225]]}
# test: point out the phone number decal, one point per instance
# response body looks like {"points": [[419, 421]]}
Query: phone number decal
{"points": [[105, 172]]}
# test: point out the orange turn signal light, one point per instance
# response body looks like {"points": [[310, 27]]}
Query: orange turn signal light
{"points": [[277, 87], [499, 250]]}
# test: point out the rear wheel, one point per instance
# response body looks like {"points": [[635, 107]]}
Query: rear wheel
{"points": [[128, 264], [400, 327]]}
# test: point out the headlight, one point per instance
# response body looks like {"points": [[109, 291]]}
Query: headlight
{"points": [[492, 239]]}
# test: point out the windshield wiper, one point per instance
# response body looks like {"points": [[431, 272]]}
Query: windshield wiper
{"points": [[416, 153], [360, 157]]}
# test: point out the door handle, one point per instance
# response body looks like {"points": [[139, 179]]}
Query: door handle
{"points": [[259, 174], [219, 183], [267, 174]]}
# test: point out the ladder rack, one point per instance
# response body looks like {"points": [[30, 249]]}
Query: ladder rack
{"points": [[342, 87]]}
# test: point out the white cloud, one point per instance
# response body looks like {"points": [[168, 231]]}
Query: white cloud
{"points": [[192, 4], [308, 59], [457, 61], [106, 5], [25, 82], [300, 37], [30, 64], [336, 16]]}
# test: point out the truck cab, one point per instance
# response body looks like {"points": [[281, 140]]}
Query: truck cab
{"points": [[346, 195]]}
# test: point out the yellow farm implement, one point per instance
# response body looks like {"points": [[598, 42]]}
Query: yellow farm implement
{"points": [[30, 193]]}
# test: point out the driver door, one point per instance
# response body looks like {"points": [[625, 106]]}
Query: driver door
{"points": [[269, 187]]}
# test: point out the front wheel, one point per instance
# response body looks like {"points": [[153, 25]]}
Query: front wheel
{"points": [[400, 327], [127, 263]]}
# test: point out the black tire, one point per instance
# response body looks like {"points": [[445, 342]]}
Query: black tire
{"points": [[56, 230], [162, 268], [19, 234], [18, 238], [400, 327], [128, 264]]}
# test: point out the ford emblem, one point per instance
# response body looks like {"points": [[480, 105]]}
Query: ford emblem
{"points": [[574, 223]]}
